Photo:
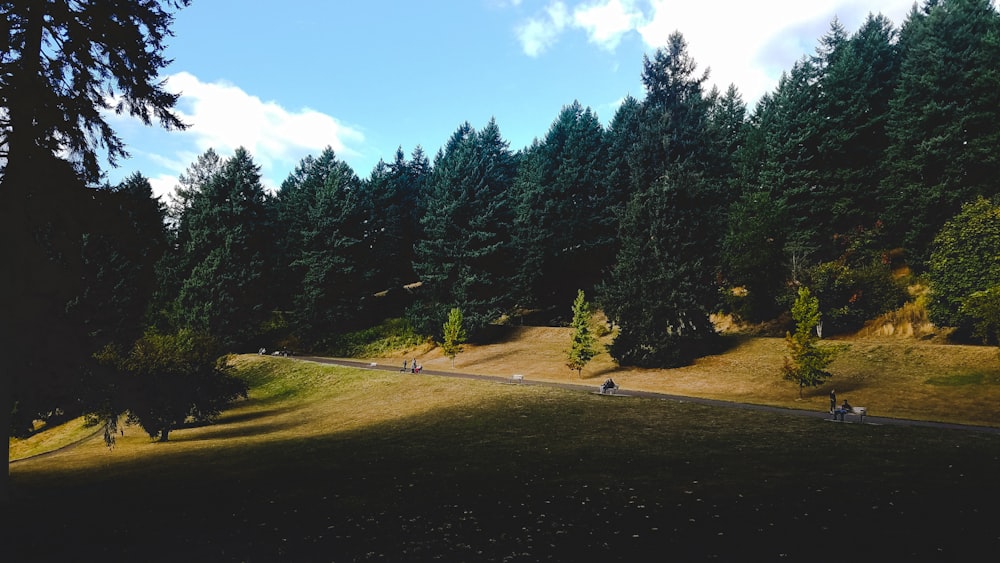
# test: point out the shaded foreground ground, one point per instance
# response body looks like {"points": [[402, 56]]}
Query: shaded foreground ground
{"points": [[375, 466]]}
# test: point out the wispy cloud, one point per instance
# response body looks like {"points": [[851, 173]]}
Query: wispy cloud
{"points": [[745, 43], [224, 117], [606, 22], [539, 33]]}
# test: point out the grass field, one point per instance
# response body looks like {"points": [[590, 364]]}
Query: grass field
{"points": [[335, 464], [894, 377]]}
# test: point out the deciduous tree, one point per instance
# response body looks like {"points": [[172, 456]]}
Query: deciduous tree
{"points": [[454, 335], [176, 377], [963, 262], [583, 344], [807, 361]]}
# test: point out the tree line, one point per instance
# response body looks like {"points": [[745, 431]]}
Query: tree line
{"points": [[688, 202]]}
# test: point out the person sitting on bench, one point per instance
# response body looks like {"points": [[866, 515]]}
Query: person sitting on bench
{"points": [[609, 384], [844, 409]]}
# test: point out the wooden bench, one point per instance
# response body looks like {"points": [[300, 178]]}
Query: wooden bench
{"points": [[517, 378], [860, 412]]}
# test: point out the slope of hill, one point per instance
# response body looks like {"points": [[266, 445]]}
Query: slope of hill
{"points": [[923, 379]]}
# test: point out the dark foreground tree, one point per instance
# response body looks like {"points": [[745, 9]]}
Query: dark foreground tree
{"points": [[65, 64], [175, 378], [61, 65]]}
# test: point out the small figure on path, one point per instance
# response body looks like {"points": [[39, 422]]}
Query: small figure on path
{"points": [[404, 365], [833, 401], [414, 368]]}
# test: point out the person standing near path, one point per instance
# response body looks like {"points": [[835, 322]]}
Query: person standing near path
{"points": [[833, 400]]}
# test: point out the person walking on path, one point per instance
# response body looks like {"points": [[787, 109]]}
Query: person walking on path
{"points": [[833, 400], [404, 365]]}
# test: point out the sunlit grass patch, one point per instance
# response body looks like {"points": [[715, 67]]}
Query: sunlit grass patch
{"points": [[963, 379]]}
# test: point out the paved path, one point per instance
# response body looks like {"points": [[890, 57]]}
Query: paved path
{"points": [[655, 395]]}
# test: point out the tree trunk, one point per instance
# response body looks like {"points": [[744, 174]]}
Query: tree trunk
{"points": [[164, 433]]}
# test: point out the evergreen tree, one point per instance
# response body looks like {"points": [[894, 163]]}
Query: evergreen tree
{"points": [[62, 64], [623, 144], [857, 78], [663, 285], [791, 138], [727, 116], [664, 280], [942, 122], [583, 346], [225, 288], [465, 257], [127, 239], [65, 65], [393, 196], [563, 225], [334, 260], [752, 252]]}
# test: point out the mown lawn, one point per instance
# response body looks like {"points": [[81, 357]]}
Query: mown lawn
{"points": [[334, 464]]}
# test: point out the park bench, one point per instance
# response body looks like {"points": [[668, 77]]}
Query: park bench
{"points": [[517, 378], [602, 390], [860, 412]]}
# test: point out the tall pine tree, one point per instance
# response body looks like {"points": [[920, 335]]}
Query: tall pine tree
{"points": [[227, 248], [465, 259], [943, 117]]}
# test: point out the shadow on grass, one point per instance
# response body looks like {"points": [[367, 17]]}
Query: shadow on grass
{"points": [[596, 481]]}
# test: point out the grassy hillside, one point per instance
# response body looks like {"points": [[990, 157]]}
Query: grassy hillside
{"points": [[897, 377], [334, 464]]}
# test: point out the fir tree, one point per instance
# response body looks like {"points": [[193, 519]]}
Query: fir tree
{"points": [[465, 257], [224, 291]]}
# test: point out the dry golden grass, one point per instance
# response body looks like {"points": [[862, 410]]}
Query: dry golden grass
{"points": [[893, 376]]}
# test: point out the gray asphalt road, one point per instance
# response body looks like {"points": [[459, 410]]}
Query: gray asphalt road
{"points": [[876, 420]]}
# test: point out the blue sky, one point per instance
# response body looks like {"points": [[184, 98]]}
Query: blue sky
{"points": [[287, 79]]}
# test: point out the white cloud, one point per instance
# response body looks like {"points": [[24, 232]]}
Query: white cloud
{"points": [[606, 22], [744, 43], [750, 43], [538, 34], [224, 117]]}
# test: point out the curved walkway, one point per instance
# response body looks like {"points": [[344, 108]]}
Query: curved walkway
{"points": [[655, 395]]}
